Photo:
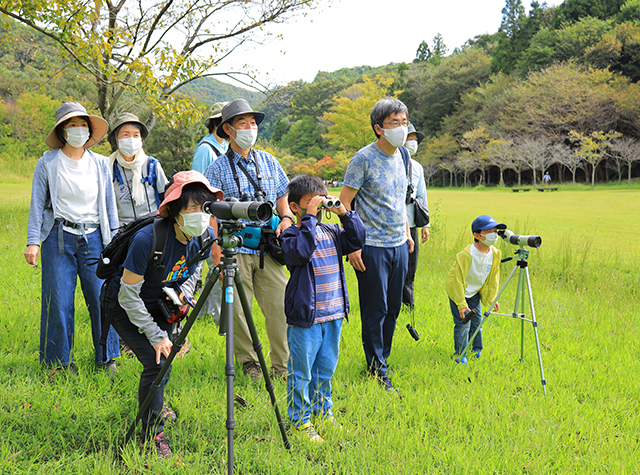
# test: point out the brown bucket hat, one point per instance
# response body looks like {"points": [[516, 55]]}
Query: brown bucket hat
{"points": [[68, 110]]}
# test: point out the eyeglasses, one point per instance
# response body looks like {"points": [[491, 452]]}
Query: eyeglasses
{"points": [[397, 123]]}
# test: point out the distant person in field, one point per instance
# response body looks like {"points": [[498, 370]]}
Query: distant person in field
{"points": [[207, 151], [375, 185], [72, 216], [546, 178], [473, 279], [419, 188], [316, 300]]}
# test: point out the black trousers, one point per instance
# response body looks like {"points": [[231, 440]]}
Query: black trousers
{"points": [[407, 290], [152, 421]]}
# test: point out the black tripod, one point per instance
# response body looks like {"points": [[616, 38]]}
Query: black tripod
{"points": [[523, 277], [229, 242]]}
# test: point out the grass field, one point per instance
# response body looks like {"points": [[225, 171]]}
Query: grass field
{"points": [[488, 416]]}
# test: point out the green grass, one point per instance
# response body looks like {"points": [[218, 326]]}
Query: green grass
{"points": [[490, 416]]}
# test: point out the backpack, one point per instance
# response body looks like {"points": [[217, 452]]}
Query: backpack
{"points": [[115, 253], [151, 178]]}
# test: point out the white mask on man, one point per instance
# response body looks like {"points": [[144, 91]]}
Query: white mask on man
{"points": [[245, 138], [396, 136]]}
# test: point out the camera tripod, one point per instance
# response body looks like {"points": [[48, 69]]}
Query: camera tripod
{"points": [[523, 278], [229, 269]]}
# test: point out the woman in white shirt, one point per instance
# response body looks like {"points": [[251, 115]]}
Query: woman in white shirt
{"points": [[72, 216]]}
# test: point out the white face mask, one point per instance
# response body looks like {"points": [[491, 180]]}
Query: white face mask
{"points": [[77, 136], [490, 239], [245, 138], [129, 146], [396, 137], [195, 224], [412, 146]]}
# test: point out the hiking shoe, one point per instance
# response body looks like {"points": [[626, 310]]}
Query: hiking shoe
{"points": [[109, 367], [162, 446], [385, 382], [462, 360], [168, 413], [126, 351], [307, 431], [478, 354], [252, 370], [186, 347]]}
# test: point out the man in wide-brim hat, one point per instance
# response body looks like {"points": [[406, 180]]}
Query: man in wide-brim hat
{"points": [[247, 174]]}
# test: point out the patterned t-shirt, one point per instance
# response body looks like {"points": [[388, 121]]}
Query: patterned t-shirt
{"points": [[326, 269], [381, 182]]}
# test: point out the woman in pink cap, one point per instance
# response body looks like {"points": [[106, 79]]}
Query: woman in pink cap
{"points": [[132, 301]]}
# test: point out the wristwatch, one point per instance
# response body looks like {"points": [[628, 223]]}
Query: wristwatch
{"points": [[288, 216]]}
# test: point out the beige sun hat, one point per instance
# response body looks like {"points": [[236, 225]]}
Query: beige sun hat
{"points": [[215, 112], [68, 110]]}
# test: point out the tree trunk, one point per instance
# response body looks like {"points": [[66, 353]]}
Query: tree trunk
{"points": [[501, 177], [629, 176]]}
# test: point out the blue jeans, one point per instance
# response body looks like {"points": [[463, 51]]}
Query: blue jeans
{"points": [[461, 330], [60, 272], [313, 357], [380, 294], [152, 421]]}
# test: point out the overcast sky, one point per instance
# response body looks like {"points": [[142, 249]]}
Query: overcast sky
{"points": [[348, 33]]}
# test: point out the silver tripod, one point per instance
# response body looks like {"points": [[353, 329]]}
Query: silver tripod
{"points": [[518, 308]]}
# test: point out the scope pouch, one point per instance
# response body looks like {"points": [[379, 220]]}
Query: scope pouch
{"points": [[269, 245], [251, 236]]}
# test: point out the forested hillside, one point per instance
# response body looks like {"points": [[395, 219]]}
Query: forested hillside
{"points": [[554, 89]]}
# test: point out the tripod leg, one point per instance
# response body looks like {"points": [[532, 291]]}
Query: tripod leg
{"points": [[230, 369], [519, 305], [487, 313], [534, 322], [175, 349], [257, 346]]}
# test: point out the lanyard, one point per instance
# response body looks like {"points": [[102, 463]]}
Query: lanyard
{"points": [[256, 186]]}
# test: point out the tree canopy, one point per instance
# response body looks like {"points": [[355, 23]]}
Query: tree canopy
{"points": [[150, 50]]}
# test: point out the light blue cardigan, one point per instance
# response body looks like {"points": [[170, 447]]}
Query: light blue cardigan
{"points": [[44, 194]]}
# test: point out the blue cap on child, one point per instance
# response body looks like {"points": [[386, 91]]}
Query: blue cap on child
{"points": [[484, 222]]}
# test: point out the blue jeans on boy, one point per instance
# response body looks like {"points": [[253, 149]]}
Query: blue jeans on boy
{"points": [[461, 330], [313, 357], [60, 272], [380, 293]]}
